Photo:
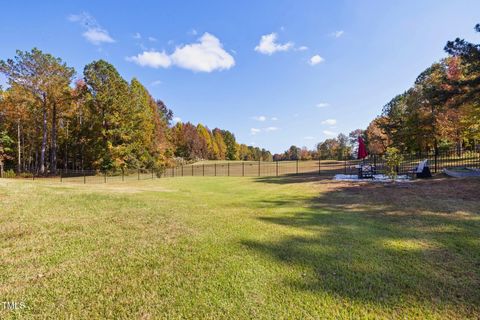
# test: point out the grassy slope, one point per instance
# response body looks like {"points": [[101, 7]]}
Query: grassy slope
{"points": [[241, 248]]}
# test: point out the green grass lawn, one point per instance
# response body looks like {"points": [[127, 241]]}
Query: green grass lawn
{"points": [[240, 248]]}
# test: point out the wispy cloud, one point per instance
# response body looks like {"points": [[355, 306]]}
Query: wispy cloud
{"points": [[274, 119], [329, 133], [270, 129], [156, 83], [330, 122], [337, 34], [316, 59], [94, 33], [254, 131], [152, 39], [269, 46], [302, 48], [259, 118], [206, 55], [322, 105]]}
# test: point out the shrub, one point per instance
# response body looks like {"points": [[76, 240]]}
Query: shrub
{"points": [[394, 159], [9, 174], [26, 175]]}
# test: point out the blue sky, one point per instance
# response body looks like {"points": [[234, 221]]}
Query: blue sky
{"points": [[275, 73]]}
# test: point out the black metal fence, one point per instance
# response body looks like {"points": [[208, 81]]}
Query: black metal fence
{"points": [[436, 161]]}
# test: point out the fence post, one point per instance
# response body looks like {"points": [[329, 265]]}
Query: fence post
{"points": [[297, 167], [138, 174], [319, 165], [243, 168], [152, 173], [192, 170], [123, 175], [259, 168], [61, 176], [436, 156], [276, 168], [215, 169], [105, 177], [228, 169], [203, 169], [182, 170]]}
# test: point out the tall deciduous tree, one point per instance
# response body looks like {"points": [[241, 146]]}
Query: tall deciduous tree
{"points": [[45, 78]]}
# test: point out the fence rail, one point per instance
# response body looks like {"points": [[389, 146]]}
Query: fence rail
{"points": [[437, 163]]}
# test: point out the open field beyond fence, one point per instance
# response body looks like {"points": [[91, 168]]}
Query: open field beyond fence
{"points": [[327, 168], [322, 167]]}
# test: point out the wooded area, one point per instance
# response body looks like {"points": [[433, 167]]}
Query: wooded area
{"points": [[50, 121], [441, 111]]}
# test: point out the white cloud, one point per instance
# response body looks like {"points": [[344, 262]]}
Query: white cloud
{"points": [[270, 129], [267, 44], [309, 138], [254, 131], [302, 48], [260, 118], [205, 56], [176, 119], [329, 133], [316, 59], [337, 34], [193, 32], [97, 36], [322, 105], [152, 39], [94, 33], [156, 83], [330, 122], [274, 119], [153, 59]]}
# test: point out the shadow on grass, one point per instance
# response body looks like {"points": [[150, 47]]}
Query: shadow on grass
{"points": [[295, 178], [391, 245]]}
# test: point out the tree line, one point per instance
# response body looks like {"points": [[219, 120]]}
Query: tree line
{"points": [[441, 111], [49, 121]]}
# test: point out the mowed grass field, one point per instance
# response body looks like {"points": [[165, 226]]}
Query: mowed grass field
{"points": [[240, 248]]}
